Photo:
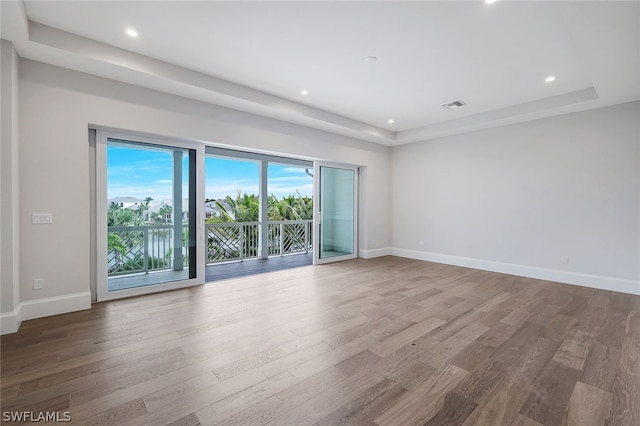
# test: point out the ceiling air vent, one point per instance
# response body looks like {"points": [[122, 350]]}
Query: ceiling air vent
{"points": [[454, 104]]}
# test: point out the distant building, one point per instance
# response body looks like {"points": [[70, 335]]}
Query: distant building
{"points": [[125, 202], [152, 214], [211, 208]]}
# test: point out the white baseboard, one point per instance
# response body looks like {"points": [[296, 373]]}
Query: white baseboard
{"points": [[370, 254], [9, 321], [39, 308], [586, 280]]}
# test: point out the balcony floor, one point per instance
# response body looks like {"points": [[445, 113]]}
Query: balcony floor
{"points": [[223, 271], [216, 272]]}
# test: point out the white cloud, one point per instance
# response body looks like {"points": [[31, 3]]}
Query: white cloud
{"points": [[285, 190], [221, 191], [142, 192]]}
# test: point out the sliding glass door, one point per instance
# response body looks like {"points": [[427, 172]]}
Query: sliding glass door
{"points": [[336, 213], [147, 215], [257, 206], [155, 230]]}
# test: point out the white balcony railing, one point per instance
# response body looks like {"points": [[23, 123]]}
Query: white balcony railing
{"points": [[141, 249], [240, 240], [289, 236], [136, 249], [232, 241]]}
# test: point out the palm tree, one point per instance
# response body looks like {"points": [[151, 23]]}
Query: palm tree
{"points": [[143, 207], [288, 206], [118, 216], [164, 213], [244, 208], [297, 207], [275, 210]]}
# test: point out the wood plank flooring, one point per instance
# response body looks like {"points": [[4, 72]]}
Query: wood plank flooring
{"points": [[387, 341]]}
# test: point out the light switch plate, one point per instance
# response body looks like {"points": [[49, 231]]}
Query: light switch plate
{"points": [[41, 218]]}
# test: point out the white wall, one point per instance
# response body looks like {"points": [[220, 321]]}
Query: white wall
{"points": [[56, 108], [517, 198], [9, 207]]}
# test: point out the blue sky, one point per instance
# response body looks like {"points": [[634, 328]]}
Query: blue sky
{"points": [[141, 173]]}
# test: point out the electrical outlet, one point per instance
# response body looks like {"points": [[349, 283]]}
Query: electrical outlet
{"points": [[38, 284], [565, 259], [421, 242]]}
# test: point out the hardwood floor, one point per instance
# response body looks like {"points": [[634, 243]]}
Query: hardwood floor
{"points": [[388, 341]]}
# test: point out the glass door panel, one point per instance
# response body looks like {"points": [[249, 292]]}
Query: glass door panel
{"points": [[336, 213], [232, 209], [150, 217]]}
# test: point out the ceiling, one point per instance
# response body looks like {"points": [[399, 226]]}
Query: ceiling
{"points": [[259, 56]]}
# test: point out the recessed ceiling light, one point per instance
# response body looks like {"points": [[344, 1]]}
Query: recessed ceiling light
{"points": [[550, 78], [489, 1], [390, 121], [131, 32], [304, 92], [370, 59]]}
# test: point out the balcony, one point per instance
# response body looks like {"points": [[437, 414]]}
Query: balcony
{"points": [[239, 241], [135, 252]]}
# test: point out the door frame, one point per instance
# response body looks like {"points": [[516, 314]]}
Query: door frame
{"points": [[102, 137], [317, 214]]}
